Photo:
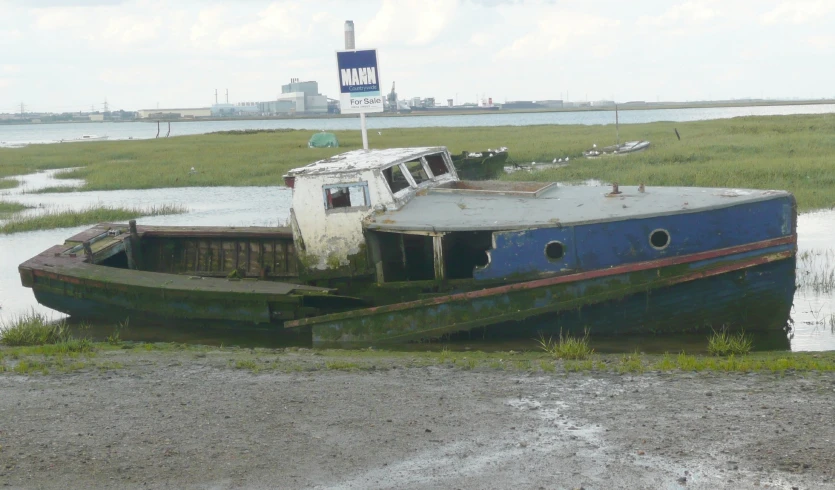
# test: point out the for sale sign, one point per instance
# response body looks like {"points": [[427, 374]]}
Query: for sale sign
{"points": [[359, 81]]}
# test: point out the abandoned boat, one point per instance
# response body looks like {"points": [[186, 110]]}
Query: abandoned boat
{"points": [[85, 137], [390, 246], [480, 165], [619, 149]]}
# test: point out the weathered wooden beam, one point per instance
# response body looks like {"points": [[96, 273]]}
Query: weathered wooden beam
{"points": [[133, 247], [438, 248]]}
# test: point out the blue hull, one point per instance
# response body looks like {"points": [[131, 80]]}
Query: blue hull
{"points": [[756, 299]]}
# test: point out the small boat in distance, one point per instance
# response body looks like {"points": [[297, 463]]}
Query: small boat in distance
{"points": [[85, 137], [480, 165], [621, 149]]}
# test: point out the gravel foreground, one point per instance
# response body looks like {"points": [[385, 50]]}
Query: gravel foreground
{"points": [[185, 421]]}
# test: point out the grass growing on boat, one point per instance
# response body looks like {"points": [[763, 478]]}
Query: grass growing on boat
{"points": [[724, 344], [764, 152], [90, 215], [567, 346]]}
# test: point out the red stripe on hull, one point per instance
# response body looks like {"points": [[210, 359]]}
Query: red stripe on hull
{"points": [[612, 271]]}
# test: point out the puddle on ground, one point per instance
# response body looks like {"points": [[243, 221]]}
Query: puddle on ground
{"points": [[813, 312]]}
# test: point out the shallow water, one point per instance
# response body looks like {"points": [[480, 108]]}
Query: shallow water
{"points": [[23, 134], [813, 312]]}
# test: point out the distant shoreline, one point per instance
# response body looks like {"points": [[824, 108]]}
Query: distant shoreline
{"points": [[456, 111]]}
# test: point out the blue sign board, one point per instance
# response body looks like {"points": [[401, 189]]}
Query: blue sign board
{"points": [[359, 81]]}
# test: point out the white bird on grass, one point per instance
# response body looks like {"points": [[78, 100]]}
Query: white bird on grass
{"points": [[192, 171], [380, 133], [555, 161]]}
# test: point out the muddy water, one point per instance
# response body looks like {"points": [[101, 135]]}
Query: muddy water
{"points": [[813, 312]]}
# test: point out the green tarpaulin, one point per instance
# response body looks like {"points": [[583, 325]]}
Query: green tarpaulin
{"points": [[323, 140]]}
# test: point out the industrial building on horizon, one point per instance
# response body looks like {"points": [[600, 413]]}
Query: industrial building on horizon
{"points": [[296, 98]]}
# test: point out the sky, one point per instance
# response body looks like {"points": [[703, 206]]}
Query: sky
{"points": [[73, 55]]}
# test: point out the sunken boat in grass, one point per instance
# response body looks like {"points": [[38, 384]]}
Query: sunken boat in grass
{"points": [[480, 165], [390, 246]]}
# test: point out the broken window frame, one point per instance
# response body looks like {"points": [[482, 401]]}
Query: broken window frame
{"points": [[429, 169], [426, 170], [406, 174], [347, 186]]}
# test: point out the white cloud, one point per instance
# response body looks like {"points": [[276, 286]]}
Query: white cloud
{"points": [[132, 76], [138, 52], [61, 18], [798, 12], [688, 13], [556, 30], [129, 30], [479, 39], [822, 42], [408, 22]]}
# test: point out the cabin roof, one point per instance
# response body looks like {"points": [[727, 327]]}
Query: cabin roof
{"points": [[443, 210], [359, 160]]}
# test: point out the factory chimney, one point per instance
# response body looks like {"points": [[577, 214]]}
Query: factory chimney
{"points": [[349, 34]]}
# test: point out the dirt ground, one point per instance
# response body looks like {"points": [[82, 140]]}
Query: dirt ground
{"points": [[186, 421]]}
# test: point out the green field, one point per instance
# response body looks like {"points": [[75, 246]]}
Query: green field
{"points": [[794, 153]]}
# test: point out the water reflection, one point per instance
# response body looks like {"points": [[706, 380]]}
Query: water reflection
{"points": [[813, 311]]}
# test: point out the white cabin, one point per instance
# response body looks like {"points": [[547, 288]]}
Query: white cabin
{"points": [[332, 197]]}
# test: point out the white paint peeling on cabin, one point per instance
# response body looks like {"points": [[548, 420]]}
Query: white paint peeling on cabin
{"points": [[332, 235]]}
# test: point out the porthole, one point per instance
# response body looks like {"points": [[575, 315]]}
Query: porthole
{"points": [[659, 239], [554, 251]]}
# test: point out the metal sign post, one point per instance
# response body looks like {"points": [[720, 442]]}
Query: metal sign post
{"points": [[359, 85]]}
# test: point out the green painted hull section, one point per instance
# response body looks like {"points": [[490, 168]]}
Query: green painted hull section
{"points": [[434, 318]]}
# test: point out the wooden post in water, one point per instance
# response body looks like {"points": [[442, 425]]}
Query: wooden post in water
{"points": [[617, 126]]}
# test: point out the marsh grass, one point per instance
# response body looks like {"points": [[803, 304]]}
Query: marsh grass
{"points": [[11, 207], [816, 271], [566, 346], [723, 343], [33, 329], [55, 189], [91, 215], [9, 183], [763, 152], [38, 340]]}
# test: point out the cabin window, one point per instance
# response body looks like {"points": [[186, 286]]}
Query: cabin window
{"points": [[659, 239], [418, 172], [346, 196], [436, 164], [554, 251], [396, 179]]}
